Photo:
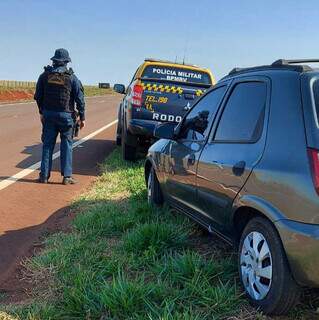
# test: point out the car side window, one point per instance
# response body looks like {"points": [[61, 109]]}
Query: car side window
{"points": [[243, 117], [207, 107]]}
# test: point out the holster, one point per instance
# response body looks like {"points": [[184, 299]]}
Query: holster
{"points": [[76, 125]]}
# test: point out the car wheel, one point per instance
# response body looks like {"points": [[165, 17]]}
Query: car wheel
{"points": [[154, 192], [264, 270], [128, 151]]}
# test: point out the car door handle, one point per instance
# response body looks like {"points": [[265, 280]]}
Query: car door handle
{"points": [[239, 168]]}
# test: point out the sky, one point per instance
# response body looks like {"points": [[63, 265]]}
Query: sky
{"points": [[107, 40]]}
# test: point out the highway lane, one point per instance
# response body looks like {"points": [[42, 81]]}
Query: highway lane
{"points": [[27, 209], [20, 131]]}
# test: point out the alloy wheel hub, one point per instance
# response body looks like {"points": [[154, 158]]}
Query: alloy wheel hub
{"points": [[256, 266], [149, 188]]}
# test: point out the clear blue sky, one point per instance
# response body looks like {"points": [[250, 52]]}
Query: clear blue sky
{"points": [[107, 40]]}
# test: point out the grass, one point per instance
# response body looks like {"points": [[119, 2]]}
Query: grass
{"points": [[126, 260], [22, 88], [96, 91], [88, 90]]}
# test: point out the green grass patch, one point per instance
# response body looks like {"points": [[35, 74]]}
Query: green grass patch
{"points": [[89, 91], [155, 238], [126, 260], [96, 91]]}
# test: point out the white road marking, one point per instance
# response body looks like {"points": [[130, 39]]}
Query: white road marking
{"points": [[7, 182]]}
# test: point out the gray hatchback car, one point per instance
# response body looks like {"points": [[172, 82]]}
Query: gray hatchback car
{"points": [[244, 163]]}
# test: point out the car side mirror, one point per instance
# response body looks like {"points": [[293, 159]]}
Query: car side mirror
{"points": [[165, 131], [119, 88], [199, 124]]}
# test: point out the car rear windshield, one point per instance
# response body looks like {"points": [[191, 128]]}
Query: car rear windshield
{"points": [[316, 96], [179, 74]]}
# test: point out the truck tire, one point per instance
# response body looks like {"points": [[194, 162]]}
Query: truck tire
{"points": [[128, 150], [118, 134], [119, 127], [118, 140]]}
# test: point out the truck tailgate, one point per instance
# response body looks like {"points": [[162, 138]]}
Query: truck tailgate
{"points": [[168, 101]]}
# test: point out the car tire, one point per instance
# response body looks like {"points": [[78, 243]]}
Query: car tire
{"points": [[154, 192], [264, 270], [128, 151]]}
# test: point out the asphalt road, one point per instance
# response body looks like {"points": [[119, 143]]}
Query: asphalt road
{"points": [[29, 209]]}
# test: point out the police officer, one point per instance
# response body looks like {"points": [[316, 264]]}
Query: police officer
{"points": [[57, 92]]}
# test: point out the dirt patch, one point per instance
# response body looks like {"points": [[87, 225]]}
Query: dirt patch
{"points": [[31, 211], [15, 95], [18, 285]]}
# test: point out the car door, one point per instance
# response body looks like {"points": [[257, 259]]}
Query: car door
{"points": [[184, 153], [236, 144]]}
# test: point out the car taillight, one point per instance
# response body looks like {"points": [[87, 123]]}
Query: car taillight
{"points": [[137, 94], [314, 159]]}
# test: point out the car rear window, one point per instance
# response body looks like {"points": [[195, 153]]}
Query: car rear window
{"points": [[316, 97], [179, 74]]}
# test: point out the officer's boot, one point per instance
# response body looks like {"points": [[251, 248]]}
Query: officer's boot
{"points": [[68, 180], [42, 179]]}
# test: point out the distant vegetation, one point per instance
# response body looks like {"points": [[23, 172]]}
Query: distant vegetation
{"points": [[12, 91], [6, 84], [96, 91]]}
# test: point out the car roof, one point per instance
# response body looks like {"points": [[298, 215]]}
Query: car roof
{"points": [[295, 65], [164, 63], [171, 62]]}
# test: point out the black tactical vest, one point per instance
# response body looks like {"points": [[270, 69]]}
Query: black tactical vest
{"points": [[57, 91]]}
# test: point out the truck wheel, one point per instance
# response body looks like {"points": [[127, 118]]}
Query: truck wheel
{"points": [[128, 151], [264, 270], [154, 192], [118, 140], [119, 128], [118, 134]]}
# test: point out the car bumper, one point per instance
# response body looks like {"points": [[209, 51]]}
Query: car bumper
{"points": [[142, 127], [301, 243]]}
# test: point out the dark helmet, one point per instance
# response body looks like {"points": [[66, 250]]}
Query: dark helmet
{"points": [[61, 55]]}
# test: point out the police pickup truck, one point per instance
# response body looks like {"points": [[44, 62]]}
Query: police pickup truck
{"points": [[160, 91]]}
